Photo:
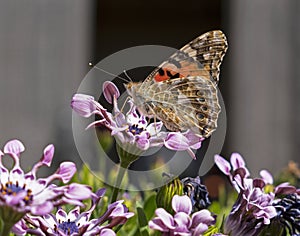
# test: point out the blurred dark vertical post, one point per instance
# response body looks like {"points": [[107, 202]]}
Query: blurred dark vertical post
{"points": [[263, 71], [45, 47]]}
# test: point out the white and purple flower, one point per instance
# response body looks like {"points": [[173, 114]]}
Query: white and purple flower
{"points": [[254, 208], [23, 193], [76, 223], [131, 128], [182, 223]]}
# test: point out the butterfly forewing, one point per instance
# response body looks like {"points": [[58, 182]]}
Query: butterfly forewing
{"points": [[200, 57], [182, 91]]}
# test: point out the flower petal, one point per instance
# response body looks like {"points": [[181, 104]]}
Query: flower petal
{"points": [[66, 171], [61, 215], [14, 147], [182, 204], [48, 155], [42, 209], [165, 217], [83, 104], [154, 128], [107, 232], [142, 141], [78, 191], [73, 215], [203, 216], [284, 188], [183, 222], [237, 161], [158, 224], [200, 229], [266, 176], [223, 165], [176, 141], [110, 90]]}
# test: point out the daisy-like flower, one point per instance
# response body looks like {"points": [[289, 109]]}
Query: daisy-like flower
{"points": [[23, 193], [130, 128], [76, 223], [254, 208], [181, 223]]}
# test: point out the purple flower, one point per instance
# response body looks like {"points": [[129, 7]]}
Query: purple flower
{"points": [[131, 128], [76, 223], [181, 223], [253, 208], [23, 193]]}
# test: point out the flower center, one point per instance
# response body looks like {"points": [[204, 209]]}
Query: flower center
{"points": [[68, 227], [135, 130], [13, 189]]}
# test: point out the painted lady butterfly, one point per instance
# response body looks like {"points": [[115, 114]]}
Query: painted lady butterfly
{"points": [[182, 91]]}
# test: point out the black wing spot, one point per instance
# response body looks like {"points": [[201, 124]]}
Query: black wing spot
{"points": [[200, 116], [169, 73], [201, 99], [177, 75], [161, 72]]}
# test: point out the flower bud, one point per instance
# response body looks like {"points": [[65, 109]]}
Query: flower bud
{"points": [[166, 193]]}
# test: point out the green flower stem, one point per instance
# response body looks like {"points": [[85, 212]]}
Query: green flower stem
{"points": [[8, 217], [127, 154], [121, 173]]}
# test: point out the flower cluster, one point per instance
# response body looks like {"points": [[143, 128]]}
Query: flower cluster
{"points": [[23, 193], [256, 208], [76, 223], [182, 223], [132, 128]]}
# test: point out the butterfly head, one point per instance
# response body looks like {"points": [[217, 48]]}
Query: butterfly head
{"points": [[131, 88]]}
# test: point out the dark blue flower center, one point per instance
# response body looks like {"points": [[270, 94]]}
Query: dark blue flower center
{"points": [[68, 227], [13, 189], [135, 130]]}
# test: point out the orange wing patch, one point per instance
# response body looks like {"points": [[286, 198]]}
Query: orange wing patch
{"points": [[164, 74]]}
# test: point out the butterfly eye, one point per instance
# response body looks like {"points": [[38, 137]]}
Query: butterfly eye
{"points": [[200, 116]]}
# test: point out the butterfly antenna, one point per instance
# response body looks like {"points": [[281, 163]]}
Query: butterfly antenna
{"points": [[125, 73], [107, 72]]}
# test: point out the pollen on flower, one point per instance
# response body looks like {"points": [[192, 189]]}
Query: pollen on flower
{"points": [[10, 188], [68, 227], [135, 130]]}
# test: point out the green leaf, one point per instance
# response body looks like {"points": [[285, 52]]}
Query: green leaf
{"points": [[143, 222], [150, 206]]}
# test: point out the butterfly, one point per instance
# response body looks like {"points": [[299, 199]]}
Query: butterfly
{"points": [[182, 91]]}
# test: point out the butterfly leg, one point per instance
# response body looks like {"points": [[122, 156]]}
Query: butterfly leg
{"points": [[123, 106]]}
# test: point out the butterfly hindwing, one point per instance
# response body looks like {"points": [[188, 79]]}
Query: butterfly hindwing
{"points": [[187, 103]]}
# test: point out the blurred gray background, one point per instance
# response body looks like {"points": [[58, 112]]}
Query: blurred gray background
{"points": [[45, 47]]}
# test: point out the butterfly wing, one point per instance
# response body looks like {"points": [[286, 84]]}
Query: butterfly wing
{"points": [[182, 91], [187, 103], [200, 57]]}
